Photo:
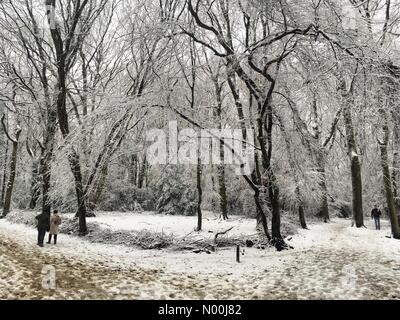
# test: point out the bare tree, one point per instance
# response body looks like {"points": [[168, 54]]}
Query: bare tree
{"points": [[13, 165]]}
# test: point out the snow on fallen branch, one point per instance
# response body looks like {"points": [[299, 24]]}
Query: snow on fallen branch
{"points": [[221, 233], [146, 239]]}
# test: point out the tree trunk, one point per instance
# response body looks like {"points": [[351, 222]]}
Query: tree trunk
{"points": [[133, 171], [320, 157], [65, 54], [260, 214], [73, 158], [4, 180], [97, 190], [273, 192], [11, 176], [302, 217], [142, 173], [323, 212], [387, 182], [214, 205], [221, 168], [45, 170], [239, 107], [357, 191], [199, 188], [256, 177], [270, 183], [46, 156], [259, 207], [222, 192], [396, 159], [35, 186], [356, 180]]}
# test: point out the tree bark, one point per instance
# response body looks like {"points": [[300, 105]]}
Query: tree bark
{"points": [[320, 155], [97, 190], [66, 51], [142, 173], [11, 175], [260, 213], [396, 158], [270, 183], [133, 170], [356, 179], [222, 192], [302, 217], [256, 176], [221, 167], [273, 192], [4, 180], [73, 158], [199, 188], [324, 209], [387, 181], [35, 186]]}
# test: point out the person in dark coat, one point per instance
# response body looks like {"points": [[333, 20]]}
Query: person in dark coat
{"points": [[376, 215], [43, 225]]}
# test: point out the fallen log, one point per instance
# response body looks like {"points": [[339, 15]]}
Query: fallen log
{"points": [[221, 233]]}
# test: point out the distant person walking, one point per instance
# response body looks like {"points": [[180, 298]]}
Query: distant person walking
{"points": [[55, 221], [376, 215], [43, 225]]}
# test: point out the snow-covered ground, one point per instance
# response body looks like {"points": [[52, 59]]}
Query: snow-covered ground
{"points": [[178, 226], [329, 261]]}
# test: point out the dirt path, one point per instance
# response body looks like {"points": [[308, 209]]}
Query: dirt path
{"points": [[326, 271]]}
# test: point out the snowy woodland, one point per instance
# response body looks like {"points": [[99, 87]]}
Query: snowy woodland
{"points": [[90, 88]]}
